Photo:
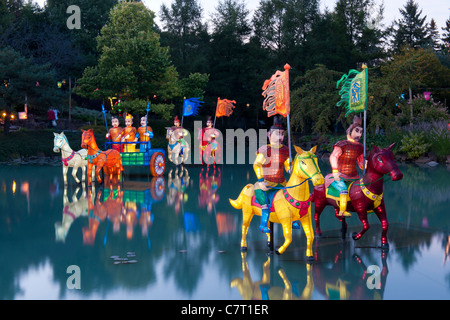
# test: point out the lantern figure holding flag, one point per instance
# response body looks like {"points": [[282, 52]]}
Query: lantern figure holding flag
{"points": [[349, 153], [274, 157]]}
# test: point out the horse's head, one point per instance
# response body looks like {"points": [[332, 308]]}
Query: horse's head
{"points": [[58, 141], [382, 162], [306, 166], [86, 138]]}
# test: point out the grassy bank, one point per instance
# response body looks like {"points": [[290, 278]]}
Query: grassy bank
{"points": [[412, 143], [27, 143]]}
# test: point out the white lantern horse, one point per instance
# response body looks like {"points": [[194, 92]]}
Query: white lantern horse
{"points": [[69, 157]]}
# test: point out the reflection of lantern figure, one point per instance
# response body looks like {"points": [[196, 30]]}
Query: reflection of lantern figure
{"points": [[208, 185], [177, 182]]}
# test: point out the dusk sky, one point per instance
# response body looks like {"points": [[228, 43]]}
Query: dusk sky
{"points": [[437, 9]]}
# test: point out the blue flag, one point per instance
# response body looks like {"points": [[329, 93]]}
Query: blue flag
{"points": [[191, 106]]}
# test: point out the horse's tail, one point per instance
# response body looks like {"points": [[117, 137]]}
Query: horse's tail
{"points": [[237, 204]]}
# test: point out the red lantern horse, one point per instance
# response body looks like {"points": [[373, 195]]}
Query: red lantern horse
{"points": [[110, 159], [366, 194]]}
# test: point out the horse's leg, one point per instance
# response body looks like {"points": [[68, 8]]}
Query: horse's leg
{"points": [[93, 173], [83, 172], [89, 173], [74, 172], [99, 167], [319, 205], [380, 211], [286, 223], [284, 216], [343, 222], [65, 169], [362, 214], [308, 228], [247, 215]]}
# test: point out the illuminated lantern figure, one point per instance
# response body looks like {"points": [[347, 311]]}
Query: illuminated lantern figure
{"points": [[269, 164], [288, 204], [343, 159], [365, 195], [207, 137], [178, 149], [144, 134], [69, 157], [128, 134], [114, 134], [427, 95], [110, 159]]}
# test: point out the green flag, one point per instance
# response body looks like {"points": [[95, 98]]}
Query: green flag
{"points": [[354, 91]]}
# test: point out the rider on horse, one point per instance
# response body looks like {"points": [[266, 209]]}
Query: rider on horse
{"points": [[207, 137], [178, 133], [268, 167], [343, 159]]}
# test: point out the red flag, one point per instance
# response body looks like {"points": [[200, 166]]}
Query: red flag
{"points": [[224, 107], [276, 93]]}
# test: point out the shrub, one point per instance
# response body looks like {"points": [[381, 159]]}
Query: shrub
{"points": [[414, 145]]}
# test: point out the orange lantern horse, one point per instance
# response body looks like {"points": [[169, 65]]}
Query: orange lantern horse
{"points": [[110, 159]]}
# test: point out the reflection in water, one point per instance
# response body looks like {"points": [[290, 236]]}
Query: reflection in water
{"points": [[208, 184], [187, 247], [265, 290], [178, 181], [128, 207], [72, 210]]}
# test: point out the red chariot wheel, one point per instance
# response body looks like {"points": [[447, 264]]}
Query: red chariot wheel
{"points": [[157, 164]]}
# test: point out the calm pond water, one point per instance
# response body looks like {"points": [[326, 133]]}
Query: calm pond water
{"points": [[179, 238]]}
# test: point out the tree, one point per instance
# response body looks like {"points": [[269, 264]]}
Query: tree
{"points": [[231, 73], [21, 78], [313, 102], [282, 27], [34, 37], [356, 23], [132, 65], [93, 16], [415, 69], [411, 29], [186, 36], [446, 37], [432, 38]]}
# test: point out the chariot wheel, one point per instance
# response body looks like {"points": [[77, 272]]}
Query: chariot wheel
{"points": [[157, 164]]}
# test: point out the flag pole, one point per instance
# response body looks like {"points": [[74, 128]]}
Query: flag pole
{"points": [[365, 119], [364, 66], [288, 107]]}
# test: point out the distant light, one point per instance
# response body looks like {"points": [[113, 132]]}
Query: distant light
{"points": [[427, 95]]}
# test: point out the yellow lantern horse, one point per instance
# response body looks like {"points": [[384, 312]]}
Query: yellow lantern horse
{"points": [[292, 203]]}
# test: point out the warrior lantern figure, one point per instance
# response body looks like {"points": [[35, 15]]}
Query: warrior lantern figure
{"points": [[268, 166], [343, 159]]}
